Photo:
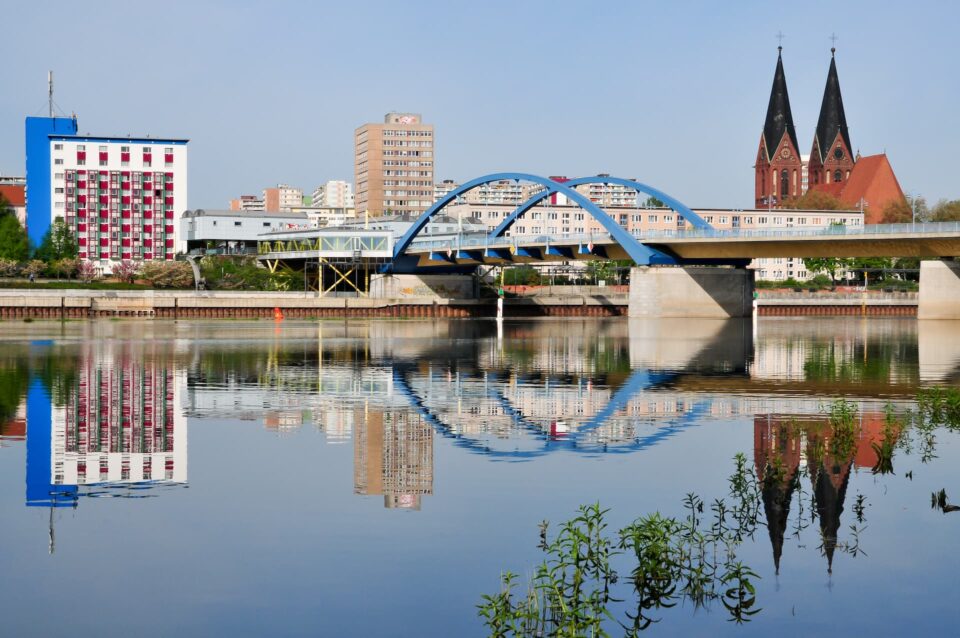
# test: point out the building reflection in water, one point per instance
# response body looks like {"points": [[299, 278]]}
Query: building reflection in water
{"points": [[393, 457], [103, 421], [791, 449]]}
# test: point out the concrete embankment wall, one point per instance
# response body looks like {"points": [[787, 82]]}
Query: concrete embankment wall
{"points": [[837, 304], [65, 304], [574, 301]]}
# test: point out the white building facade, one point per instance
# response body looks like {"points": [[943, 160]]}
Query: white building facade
{"points": [[565, 219], [120, 196], [333, 194]]}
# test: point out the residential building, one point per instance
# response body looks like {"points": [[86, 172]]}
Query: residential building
{"points": [[333, 194], [566, 219], [119, 195], [247, 202], [394, 165], [444, 188], [610, 194], [326, 215], [281, 198], [14, 191]]}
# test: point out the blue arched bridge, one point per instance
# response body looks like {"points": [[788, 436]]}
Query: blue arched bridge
{"points": [[347, 259], [693, 242], [414, 251]]}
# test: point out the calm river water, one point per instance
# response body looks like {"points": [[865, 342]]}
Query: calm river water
{"points": [[375, 478]]}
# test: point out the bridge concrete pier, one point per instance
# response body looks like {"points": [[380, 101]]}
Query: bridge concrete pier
{"points": [[691, 292], [939, 296]]}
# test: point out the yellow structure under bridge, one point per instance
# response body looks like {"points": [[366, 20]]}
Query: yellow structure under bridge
{"points": [[334, 262]]}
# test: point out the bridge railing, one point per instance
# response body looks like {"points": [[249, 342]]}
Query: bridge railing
{"points": [[482, 241], [795, 231]]}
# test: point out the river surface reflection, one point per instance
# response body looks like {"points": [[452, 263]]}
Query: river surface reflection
{"points": [[375, 477]]}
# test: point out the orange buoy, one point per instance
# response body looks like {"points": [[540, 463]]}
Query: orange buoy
{"points": [[277, 313]]}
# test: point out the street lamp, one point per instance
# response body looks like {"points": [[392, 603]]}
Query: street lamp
{"points": [[913, 207]]}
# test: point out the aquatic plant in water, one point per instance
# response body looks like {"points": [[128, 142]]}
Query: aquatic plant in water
{"points": [[673, 559]]}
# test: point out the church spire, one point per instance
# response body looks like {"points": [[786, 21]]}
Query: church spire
{"points": [[833, 121], [779, 117]]}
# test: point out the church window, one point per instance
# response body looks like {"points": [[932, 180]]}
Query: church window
{"points": [[837, 176], [784, 184]]}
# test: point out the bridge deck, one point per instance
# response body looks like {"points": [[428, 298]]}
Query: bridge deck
{"points": [[886, 240]]}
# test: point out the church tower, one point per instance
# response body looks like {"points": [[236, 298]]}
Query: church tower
{"points": [[778, 167], [831, 158]]}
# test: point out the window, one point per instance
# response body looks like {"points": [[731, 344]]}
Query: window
{"points": [[81, 147], [266, 224], [784, 184], [103, 149], [58, 147], [59, 162], [837, 176], [237, 223]]}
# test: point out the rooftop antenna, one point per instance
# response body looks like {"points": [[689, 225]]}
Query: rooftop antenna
{"points": [[50, 91], [780, 37]]}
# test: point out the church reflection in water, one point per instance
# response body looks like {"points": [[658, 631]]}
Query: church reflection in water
{"points": [[108, 417]]}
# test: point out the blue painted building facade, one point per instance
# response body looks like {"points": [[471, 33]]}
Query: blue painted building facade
{"points": [[38, 131]]}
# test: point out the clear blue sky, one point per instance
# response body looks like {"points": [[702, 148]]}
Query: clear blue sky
{"points": [[671, 93]]}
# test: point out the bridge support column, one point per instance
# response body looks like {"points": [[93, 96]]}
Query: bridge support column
{"points": [[939, 290], [439, 286], [691, 291]]}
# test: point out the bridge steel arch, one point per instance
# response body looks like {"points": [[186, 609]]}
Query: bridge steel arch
{"points": [[638, 252], [682, 209]]}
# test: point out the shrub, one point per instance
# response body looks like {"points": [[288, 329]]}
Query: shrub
{"points": [[820, 281], [66, 267], [34, 267], [9, 268], [168, 274], [126, 270], [86, 271]]}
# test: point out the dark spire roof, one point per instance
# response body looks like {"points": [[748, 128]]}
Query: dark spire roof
{"points": [[829, 496], [779, 117], [832, 118], [776, 494]]}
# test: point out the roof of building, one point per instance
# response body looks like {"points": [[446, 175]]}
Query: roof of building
{"points": [[873, 181], [13, 194], [258, 214], [779, 117], [118, 139], [832, 120]]}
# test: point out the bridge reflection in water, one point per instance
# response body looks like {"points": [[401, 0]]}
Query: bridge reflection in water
{"points": [[106, 412]]}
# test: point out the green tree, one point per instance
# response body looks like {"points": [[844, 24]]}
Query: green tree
{"points": [[815, 200], [946, 211], [897, 212], [14, 243], [831, 266], [653, 202], [58, 243]]}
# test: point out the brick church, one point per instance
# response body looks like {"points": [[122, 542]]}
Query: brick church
{"points": [[782, 173]]}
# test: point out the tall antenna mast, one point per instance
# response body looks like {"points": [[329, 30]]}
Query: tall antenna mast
{"points": [[50, 91]]}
